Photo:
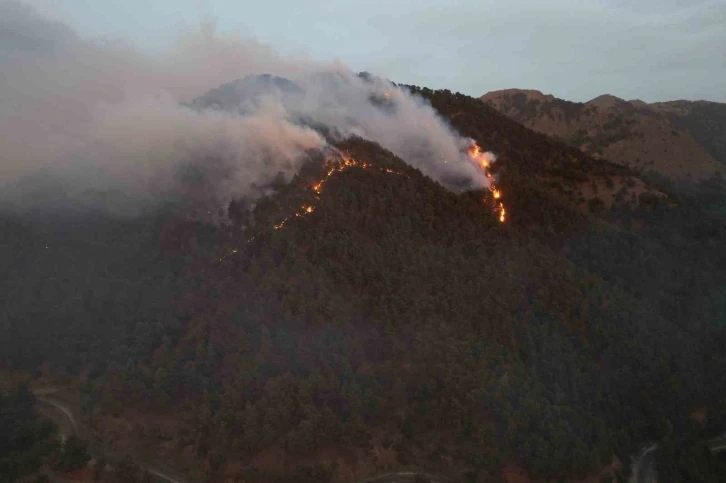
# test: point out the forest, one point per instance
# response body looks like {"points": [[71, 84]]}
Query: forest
{"points": [[25, 439], [398, 323]]}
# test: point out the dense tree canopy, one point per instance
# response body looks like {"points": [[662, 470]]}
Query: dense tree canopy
{"points": [[25, 439], [396, 307]]}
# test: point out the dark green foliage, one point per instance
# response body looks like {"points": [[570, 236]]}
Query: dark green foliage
{"points": [[73, 454], [687, 456], [616, 129], [25, 440], [127, 472], [554, 342]]}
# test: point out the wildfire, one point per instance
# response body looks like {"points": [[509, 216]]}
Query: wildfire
{"points": [[233, 252], [484, 161], [336, 165], [339, 165], [342, 162], [481, 158]]}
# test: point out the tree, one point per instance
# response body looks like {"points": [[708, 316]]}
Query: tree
{"points": [[25, 439], [73, 455]]}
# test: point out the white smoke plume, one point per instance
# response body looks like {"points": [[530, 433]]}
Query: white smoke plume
{"points": [[103, 118]]}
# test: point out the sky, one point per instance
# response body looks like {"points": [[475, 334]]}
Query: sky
{"points": [[653, 50]]}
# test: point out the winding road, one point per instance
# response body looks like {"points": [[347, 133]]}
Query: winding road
{"points": [[66, 412], [43, 395], [644, 466]]}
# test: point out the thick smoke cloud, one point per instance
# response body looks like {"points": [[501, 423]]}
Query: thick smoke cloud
{"points": [[103, 122], [405, 124]]}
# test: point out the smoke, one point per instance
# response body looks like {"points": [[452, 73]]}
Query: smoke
{"points": [[407, 125], [104, 123]]}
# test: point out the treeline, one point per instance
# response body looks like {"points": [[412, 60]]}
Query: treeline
{"points": [[29, 443], [25, 439]]}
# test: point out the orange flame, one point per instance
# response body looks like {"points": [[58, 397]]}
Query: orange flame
{"points": [[337, 165], [480, 158], [483, 161]]}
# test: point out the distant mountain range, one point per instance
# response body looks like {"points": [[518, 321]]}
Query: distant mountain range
{"points": [[679, 139]]}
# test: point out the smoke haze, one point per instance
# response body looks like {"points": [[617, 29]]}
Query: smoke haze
{"points": [[102, 118]]}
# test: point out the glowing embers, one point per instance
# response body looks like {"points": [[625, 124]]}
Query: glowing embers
{"points": [[232, 252], [335, 164], [304, 210], [484, 161], [339, 162]]}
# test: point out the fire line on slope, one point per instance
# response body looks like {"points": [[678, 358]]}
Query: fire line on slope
{"points": [[339, 164], [343, 162], [484, 161]]}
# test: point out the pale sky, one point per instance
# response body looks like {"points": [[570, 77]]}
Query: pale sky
{"points": [[652, 50]]}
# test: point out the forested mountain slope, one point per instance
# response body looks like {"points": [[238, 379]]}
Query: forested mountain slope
{"points": [[395, 323]]}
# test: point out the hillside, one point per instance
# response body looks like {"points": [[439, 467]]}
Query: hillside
{"points": [[705, 121], [548, 178], [382, 321], [679, 140]]}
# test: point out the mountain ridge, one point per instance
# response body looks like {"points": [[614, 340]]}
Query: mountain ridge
{"points": [[675, 139]]}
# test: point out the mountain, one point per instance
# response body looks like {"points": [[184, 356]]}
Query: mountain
{"points": [[680, 139], [362, 318], [545, 178], [244, 94], [705, 121]]}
